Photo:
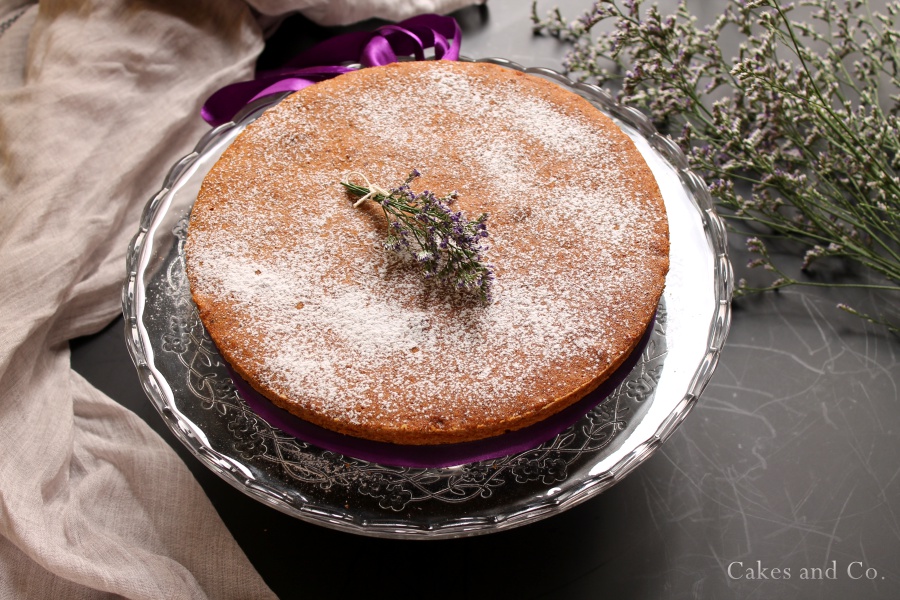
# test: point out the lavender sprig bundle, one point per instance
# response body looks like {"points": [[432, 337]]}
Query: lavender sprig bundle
{"points": [[806, 117], [444, 242]]}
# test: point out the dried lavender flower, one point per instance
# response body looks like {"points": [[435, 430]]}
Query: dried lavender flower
{"points": [[447, 245], [805, 116]]}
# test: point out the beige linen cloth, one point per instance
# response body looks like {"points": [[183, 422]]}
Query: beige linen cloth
{"points": [[97, 100]]}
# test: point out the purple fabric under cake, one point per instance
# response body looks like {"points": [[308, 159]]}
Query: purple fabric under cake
{"points": [[445, 455]]}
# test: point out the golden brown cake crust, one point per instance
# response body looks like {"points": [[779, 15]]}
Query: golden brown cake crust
{"points": [[295, 288]]}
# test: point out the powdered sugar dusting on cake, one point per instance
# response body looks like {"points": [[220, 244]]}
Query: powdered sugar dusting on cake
{"points": [[343, 328]]}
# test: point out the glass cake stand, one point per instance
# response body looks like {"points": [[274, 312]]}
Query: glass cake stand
{"points": [[188, 382]]}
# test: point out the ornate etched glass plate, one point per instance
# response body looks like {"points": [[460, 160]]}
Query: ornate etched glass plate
{"points": [[187, 381]]}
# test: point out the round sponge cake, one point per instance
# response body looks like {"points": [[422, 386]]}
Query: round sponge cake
{"points": [[295, 287]]}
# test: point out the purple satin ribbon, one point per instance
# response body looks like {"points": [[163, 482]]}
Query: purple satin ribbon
{"points": [[370, 48]]}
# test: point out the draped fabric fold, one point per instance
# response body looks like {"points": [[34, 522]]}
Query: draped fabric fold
{"points": [[92, 502]]}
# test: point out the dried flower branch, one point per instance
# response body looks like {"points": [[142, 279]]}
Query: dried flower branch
{"points": [[445, 243], [805, 131]]}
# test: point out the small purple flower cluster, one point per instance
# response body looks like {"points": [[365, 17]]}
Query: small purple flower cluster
{"points": [[804, 120], [448, 246]]}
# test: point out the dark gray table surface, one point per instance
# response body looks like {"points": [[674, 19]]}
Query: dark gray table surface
{"points": [[783, 482]]}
